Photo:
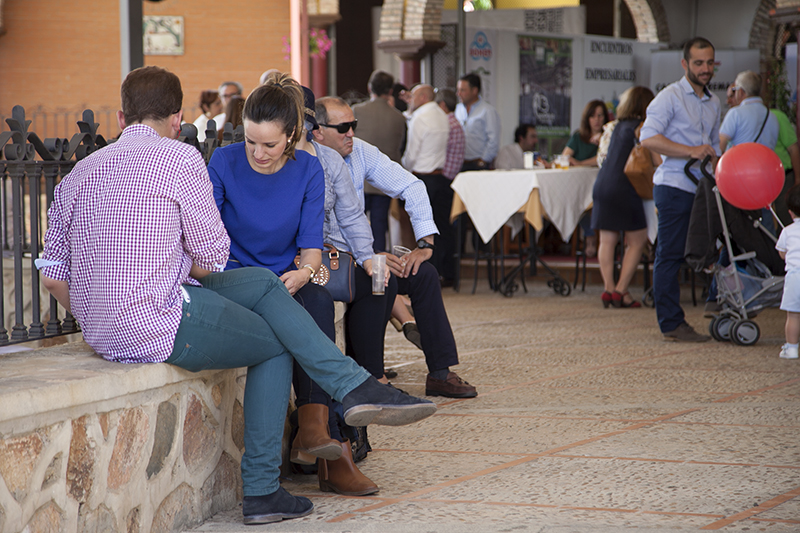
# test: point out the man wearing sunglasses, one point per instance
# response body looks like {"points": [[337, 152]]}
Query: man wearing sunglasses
{"points": [[416, 277], [384, 127]]}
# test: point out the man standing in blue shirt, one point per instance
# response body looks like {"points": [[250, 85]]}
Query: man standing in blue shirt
{"points": [[481, 124], [682, 123], [750, 121]]}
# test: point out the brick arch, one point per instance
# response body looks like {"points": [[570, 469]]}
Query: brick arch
{"points": [[762, 35], [650, 20], [411, 20]]}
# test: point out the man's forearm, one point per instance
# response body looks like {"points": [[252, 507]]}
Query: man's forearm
{"points": [[59, 290]]}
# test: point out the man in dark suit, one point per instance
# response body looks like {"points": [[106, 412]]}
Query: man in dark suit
{"points": [[381, 125]]}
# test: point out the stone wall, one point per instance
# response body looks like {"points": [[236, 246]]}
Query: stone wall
{"points": [[88, 445]]}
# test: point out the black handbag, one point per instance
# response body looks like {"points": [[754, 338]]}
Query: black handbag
{"points": [[337, 273]]}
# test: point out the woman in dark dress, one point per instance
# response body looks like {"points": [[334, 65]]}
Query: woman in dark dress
{"points": [[617, 207]]}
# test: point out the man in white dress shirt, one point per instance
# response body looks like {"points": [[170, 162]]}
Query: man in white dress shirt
{"points": [[426, 151], [510, 157]]}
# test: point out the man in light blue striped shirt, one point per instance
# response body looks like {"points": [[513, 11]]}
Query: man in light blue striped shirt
{"points": [[416, 277], [682, 123], [481, 124]]}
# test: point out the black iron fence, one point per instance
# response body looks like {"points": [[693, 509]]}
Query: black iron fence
{"points": [[30, 168]]}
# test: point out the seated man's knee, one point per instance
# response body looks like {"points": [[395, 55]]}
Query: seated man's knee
{"points": [[314, 296]]}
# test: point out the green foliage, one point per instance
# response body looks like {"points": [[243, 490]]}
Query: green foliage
{"points": [[778, 89]]}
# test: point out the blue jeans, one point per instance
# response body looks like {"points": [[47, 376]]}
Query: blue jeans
{"points": [[247, 318], [674, 208]]}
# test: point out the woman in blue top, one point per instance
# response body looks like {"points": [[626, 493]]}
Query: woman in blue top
{"points": [[271, 198]]}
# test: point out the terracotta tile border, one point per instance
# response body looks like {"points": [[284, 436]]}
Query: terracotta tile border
{"points": [[766, 506]]}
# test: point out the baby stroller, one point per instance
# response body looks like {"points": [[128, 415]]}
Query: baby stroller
{"points": [[754, 278]]}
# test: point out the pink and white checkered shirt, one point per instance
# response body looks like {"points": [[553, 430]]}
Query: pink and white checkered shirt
{"points": [[125, 227], [455, 148]]}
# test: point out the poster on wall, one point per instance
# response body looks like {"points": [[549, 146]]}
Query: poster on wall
{"points": [[609, 70], [482, 60], [545, 77]]}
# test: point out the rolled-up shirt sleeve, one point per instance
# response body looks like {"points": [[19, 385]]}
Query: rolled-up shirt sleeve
{"points": [[659, 115], [56, 247], [393, 180], [205, 238]]}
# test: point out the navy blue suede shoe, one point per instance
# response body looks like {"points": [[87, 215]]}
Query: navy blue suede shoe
{"points": [[280, 505], [372, 402]]}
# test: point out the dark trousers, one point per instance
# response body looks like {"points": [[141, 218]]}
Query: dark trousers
{"points": [[674, 209], [366, 321], [378, 207], [435, 332], [780, 203], [441, 197], [318, 303]]}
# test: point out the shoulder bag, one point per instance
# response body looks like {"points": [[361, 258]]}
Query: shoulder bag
{"points": [[639, 168], [337, 273]]}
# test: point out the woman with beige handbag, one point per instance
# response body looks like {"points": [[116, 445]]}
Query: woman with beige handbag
{"points": [[617, 205]]}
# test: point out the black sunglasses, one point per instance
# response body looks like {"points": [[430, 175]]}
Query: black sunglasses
{"points": [[344, 127]]}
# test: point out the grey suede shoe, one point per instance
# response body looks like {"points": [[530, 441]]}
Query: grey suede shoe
{"points": [[372, 402], [280, 505]]}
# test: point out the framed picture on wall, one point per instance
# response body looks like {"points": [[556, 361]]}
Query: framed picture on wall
{"points": [[163, 35]]}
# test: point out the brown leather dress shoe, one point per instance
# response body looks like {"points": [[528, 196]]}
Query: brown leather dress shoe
{"points": [[452, 387]]}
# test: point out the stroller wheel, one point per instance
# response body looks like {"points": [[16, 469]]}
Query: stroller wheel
{"points": [[712, 329], [722, 328], [647, 298], [745, 332]]}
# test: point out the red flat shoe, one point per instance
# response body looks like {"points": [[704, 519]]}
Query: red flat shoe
{"points": [[607, 299], [618, 300]]}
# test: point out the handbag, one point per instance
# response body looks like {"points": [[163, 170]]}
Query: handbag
{"points": [[639, 168], [337, 273]]}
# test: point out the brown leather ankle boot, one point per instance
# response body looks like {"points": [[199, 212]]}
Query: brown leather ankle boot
{"points": [[313, 438], [343, 476]]}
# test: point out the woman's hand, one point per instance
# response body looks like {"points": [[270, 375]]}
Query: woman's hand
{"points": [[296, 279]]}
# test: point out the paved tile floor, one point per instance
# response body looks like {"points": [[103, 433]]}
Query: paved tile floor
{"points": [[587, 420]]}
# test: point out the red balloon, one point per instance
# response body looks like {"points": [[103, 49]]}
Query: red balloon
{"points": [[750, 176]]}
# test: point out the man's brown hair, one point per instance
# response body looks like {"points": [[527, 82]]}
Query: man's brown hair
{"points": [[150, 93]]}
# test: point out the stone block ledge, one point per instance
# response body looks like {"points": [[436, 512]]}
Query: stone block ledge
{"points": [[90, 445]]}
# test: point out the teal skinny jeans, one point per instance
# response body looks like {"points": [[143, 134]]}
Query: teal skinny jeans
{"points": [[246, 318]]}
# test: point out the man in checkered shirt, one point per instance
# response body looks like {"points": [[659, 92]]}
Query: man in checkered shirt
{"points": [[135, 249]]}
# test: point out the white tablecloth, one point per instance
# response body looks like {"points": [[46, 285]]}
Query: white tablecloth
{"points": [[492, 197]]}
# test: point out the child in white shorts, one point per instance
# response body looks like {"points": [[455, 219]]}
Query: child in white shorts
{"points": [[789, 247]]}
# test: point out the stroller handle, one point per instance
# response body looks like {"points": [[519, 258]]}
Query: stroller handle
{"points": [[703, 164]]}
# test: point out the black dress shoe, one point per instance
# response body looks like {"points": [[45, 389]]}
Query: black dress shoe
{"points": [[280, 505], [389, 373], [372, 402]]}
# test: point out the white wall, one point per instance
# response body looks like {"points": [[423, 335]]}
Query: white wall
{"points": [[726, 23]]}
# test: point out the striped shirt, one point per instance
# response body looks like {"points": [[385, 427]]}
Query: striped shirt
{"points": [[125, 227], [368, 164]]}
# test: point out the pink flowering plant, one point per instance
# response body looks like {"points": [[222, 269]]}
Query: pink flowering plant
{"points": [[318, 44]]}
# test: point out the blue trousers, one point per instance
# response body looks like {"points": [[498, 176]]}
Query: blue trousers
{"points": [[247, 318], [674, 208]]}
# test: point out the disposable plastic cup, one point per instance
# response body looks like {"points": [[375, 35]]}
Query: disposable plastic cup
{"points": [[378, 274]]}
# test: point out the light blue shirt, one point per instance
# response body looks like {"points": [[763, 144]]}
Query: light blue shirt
{"points": [[368, 164], [743, 122], [681, 116], [481, 130], [346, 226]]}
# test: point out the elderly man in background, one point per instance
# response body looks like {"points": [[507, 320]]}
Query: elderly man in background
{"points": [[481, 124], [381, 125], [426, 151]]}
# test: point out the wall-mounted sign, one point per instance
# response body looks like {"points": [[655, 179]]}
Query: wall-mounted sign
{"points": [[163, 35]]}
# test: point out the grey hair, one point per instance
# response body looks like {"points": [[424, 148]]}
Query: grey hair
{"points": [[234, 83], [750, 82]]}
